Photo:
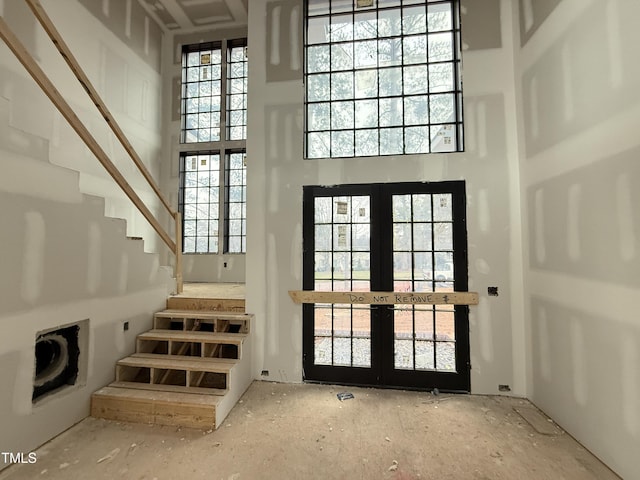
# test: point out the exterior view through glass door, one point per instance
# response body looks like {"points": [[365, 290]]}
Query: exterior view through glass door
{"points": [[401, 237]]}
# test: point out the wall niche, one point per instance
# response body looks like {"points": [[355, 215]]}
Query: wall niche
{"points": [[60, 359]]}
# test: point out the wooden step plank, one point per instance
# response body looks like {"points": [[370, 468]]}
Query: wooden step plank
{"points": [[204, 315], [171, 388], [160, 408], [177, 362], [193, 336]]}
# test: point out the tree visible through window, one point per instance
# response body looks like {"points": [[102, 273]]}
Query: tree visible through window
{"points": [[213, 142], [382, 77]]}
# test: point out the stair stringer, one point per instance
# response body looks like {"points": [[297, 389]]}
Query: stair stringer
{"points": [[240, 377]]}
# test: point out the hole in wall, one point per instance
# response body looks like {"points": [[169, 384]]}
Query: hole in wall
{"points": [[56, 360]]}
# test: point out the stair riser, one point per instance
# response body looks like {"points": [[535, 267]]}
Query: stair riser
{"points": [[169, 376], [191, 349], [153, 412], [204, 325]]}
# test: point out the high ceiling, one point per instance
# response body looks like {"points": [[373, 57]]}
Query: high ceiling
{"points": [[190, 15]]}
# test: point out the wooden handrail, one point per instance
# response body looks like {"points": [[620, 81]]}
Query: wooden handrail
{"points": [[58, 41], [67, 112]]}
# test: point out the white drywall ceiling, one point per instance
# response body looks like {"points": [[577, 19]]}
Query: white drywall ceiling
{"points": [[182, 15]]}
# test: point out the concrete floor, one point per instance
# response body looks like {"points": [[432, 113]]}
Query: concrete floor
{"points": [[285, 431]]}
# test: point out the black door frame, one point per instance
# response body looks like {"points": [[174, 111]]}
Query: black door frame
{"points": [[382, 372]]}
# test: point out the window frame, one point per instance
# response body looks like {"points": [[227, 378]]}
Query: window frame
{"points": [[223, 147], [329, 132]]}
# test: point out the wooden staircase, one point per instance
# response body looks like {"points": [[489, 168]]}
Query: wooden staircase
{"points": [[189, 370]]}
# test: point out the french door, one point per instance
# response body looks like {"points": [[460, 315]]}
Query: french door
{"points": [[401, 237]]}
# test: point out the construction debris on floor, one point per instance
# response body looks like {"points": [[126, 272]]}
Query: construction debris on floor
{"points": [[300, 431]]}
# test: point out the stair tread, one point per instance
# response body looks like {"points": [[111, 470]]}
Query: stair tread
{"points": [[170, 388], [199, 314], [178, 362], [193, 336], [158, 396]]}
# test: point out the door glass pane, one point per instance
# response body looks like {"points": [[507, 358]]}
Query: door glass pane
{"points": [[442, 207], [402, 236], [423, 322], [322, 210], [424, 355], [361, 336], [422, 236], [422, 207], [323, 350], [360, 210], [323, 238], [445, 326], [362, 352], [443, 236], [401, 208], [403, 354], [445, 356], [422, 262], [402, 266], [341, 351]]}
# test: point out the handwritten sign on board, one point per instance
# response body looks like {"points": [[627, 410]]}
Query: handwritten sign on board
{"points": [[385, 298]]}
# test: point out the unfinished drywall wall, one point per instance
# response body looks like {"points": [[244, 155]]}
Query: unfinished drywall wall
{"points": [[132, 25], [130, 88], [198, 267], [579, 110], [277, 172], [64, 262]]}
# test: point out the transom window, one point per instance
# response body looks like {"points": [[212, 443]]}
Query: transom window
{"points": [[382, 77], [201, 99], [213, 144], [214, 92]]}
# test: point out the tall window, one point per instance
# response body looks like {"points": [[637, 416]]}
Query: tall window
{"points": [[213, 145], [382, 77], [200, 201]]}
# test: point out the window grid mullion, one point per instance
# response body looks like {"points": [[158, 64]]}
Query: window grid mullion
{"points": [[413, 269], [224, 91], [433, 284], [223, 195]]}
